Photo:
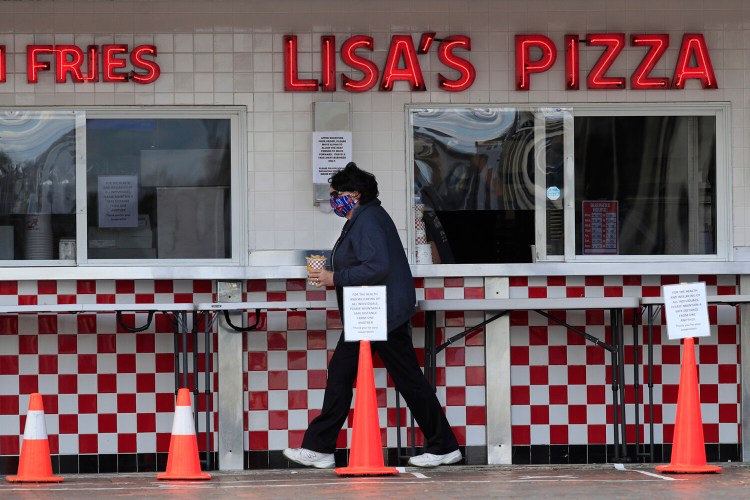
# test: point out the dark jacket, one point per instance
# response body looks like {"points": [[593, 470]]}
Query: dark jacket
{"points": [[369, 252]]}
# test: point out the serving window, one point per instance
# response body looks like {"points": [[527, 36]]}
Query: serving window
{"points": [[583, 183], [120, 186]]}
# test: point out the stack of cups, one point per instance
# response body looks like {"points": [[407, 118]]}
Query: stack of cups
{"points": [[315, 262], [424, 254], [418, 211], [424, 249], [38, 237], [419, 224]]}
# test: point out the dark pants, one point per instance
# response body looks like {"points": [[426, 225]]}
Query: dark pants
{"points": [[401, 362]]}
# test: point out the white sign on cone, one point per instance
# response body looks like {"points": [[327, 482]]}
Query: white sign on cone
{"points": [[365, 313], [687, 311]]}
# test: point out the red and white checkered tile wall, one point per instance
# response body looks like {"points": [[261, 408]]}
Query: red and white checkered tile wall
{"points": [[287, 359], [110, 391], [105, 390], [561, 384]]}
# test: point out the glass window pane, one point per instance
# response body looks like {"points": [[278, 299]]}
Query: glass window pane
{"points": [[645, 185], [158, 188], [474, 172], [37, 184]]}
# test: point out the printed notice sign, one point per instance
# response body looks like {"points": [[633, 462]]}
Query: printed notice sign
{"points": [[331, 152], [365, 313], [687, 312], [118, 201]]}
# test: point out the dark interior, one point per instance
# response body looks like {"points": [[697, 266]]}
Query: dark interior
{"points": [[489, 236]]}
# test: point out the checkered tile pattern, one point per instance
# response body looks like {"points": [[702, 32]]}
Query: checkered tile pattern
{"points": [[561, 384], [105, 390], [287, 358], [110, 391]]}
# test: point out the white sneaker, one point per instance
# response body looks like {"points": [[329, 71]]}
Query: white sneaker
{"points": [[310, 458], [430, 460]]}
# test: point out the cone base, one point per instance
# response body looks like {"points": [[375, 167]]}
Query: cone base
{"points": [[688, 469], [184, 477], [366, 471], [32, 479]]}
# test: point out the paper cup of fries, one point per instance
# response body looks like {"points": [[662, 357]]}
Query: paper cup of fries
{"points": [[315, 262]]}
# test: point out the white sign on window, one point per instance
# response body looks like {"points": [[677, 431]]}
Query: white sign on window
{"points": [[687, 311], [118, 201], [331, 152], [365, 313]]}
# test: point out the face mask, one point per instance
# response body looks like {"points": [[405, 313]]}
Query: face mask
{"points": [[343, 205]]}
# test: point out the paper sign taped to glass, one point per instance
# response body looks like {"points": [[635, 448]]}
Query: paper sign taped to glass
{"points": [[687, 310], [365, 315]]}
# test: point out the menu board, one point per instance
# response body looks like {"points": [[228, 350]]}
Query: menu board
{"points": [[600, 232]]}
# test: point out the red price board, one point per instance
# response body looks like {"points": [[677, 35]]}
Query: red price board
{"points": [[600, 221]]}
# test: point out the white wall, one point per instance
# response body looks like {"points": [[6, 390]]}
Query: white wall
{"points": [[230, 52]]}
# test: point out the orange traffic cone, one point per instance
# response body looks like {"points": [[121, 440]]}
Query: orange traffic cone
{"points": [[35, 465], [688, 447], [366, 454], [183, 462]]}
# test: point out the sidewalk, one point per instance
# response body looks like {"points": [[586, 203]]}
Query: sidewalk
{"points": [[465, 482]]}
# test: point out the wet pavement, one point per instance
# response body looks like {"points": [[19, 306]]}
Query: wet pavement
{"points": [[583, 481]]}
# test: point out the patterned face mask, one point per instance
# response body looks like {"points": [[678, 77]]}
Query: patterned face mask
{"points": [[342, 205]]}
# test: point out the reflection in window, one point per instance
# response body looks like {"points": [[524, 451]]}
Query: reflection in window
{"points": [[37, 184], [474, 172], [158, 188]]}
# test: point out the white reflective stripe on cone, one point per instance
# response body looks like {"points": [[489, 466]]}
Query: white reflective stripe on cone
{"points": [[183, 422], [35, 428]]}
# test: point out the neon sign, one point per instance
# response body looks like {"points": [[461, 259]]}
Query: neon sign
{"points": [[534, 54], [613, 43], [402, 64], [368, 68], [524, 63], [693, 61], [71, 63], [641, 78], [402, 51]]}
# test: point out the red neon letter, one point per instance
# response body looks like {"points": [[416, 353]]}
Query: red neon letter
{"points": [[152, 69], [425, 42], [572, 62], [68, 59], [614, 43], [110, 62], [33, 65], [328, 63], [402, 46], [92, 55], [525, 66], [2, 63], [694, 44], [292, 83], [368, 68], [640, 78], [467, 73]]}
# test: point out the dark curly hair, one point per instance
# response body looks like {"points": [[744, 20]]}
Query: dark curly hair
{"points": [[353, 178]]}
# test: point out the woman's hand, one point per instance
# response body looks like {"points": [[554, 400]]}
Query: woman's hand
{"points": [[321, 277]]}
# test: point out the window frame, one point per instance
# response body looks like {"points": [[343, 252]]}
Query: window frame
{"points": [[238, 185], [720, 110]]}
